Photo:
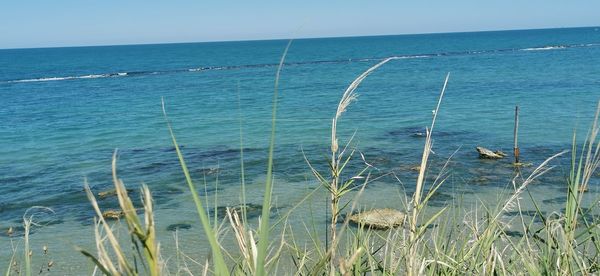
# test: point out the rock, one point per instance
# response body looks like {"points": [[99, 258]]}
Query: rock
{"points": [[252, 210], [14, 231], [501, 153], [112, 192], [419, 134], [416, 168], [112, 214], [556, 200], [514, 234], [379, 218], [481, 180], [179, 226], [210, 171], [488, 154], [439, 199], [108, 193]]}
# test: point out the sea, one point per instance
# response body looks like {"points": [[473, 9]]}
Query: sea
{"points": [[65, 112]]}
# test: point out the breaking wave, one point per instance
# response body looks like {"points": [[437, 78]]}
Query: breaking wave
{"points": [[545, 48]]}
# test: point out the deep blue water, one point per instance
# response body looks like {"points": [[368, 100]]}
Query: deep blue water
{"points": [[65, 110]]}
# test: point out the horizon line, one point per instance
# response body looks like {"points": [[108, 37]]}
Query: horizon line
{"points": [[297, 38]]}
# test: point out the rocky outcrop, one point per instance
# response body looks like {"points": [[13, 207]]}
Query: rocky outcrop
{"points": [[379, 218], [112, 214], [415, 168], [111, 192], [488, 154]]}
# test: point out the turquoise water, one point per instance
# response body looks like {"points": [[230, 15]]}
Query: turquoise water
{"points": [[65, 110]]}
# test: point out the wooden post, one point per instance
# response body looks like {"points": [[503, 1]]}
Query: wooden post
{"points": [[516, 135]]}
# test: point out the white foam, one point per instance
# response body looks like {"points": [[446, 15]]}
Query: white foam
{"points": [[409, 57], [544, 48], [92, 76], [44, 79]]}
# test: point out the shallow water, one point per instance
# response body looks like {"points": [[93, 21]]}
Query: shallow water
{"points": [[65, 110]]}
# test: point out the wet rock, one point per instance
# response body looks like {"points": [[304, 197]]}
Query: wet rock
{"points": [[252, 210], [501, 153], [172, 149], [111, 192], [560, 199], [9, 231], [379, 160], [530, 213], [379, 218], [488, 154], [439, 199], [15, 231], [156, 167], [417, 132], [112, 214], [482, 180], [514, 234], [421, 132], [209, 170], [416, 168], [179, 226], [439, 196]]}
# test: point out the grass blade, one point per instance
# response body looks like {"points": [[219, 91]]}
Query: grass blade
{"points": [[220, 268], [264, 224]]}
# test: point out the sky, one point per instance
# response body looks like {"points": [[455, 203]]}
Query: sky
{"points": [[56, 23]]}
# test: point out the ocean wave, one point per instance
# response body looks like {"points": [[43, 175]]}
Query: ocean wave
{"points": [[92, 76], [266, 65], [412, 56], [42, 79], [545, 48]]}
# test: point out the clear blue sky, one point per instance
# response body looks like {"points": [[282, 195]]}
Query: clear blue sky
{"points": [[45, 23]]}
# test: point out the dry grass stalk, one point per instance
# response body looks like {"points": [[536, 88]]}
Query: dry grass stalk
{"points": [[413, 259], [142, 234], [336, 158]]}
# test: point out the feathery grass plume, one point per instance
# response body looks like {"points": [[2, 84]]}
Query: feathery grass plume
{"points": [[336, 165], [24, 266], [143, 235], [219, 262], [264, 228]]}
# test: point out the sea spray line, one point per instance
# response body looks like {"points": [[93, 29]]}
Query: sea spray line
{"points": [[266, 65]]}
